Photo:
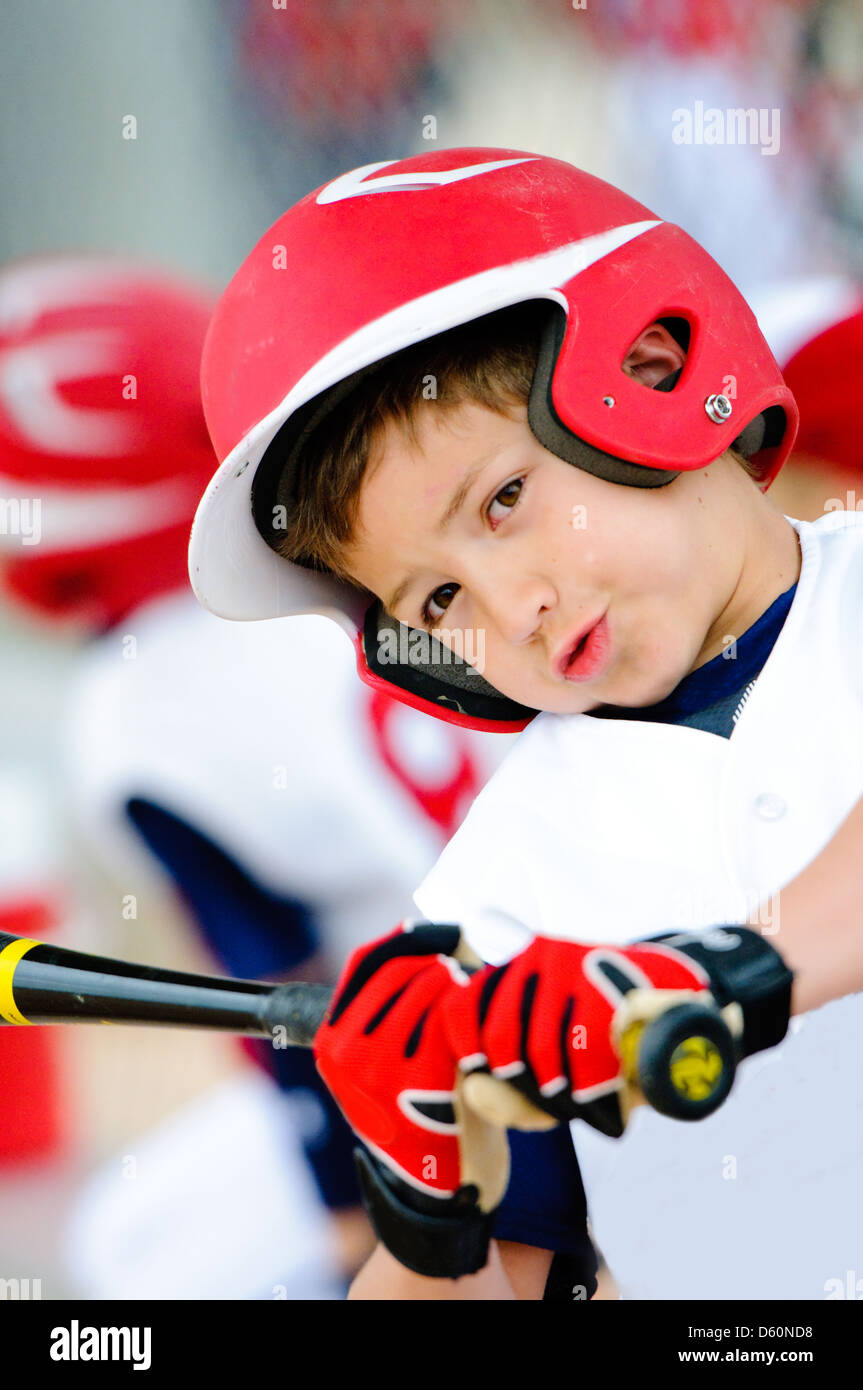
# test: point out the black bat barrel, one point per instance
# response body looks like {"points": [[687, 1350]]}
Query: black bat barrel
{"points": [[43, 983]]}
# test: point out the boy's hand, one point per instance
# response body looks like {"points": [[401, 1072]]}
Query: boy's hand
{"points": [[431, 1064], [432, 1172], [549, 1021]]}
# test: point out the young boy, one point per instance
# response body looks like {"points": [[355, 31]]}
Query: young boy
{"points": [[571, 494]]}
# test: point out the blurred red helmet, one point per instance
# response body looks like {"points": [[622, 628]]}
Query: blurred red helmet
{"points": [[393, 253], [824, 375], [103, 449]]}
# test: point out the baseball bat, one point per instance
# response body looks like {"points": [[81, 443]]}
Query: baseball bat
{"points": [[44, 983], [678, 1053]]}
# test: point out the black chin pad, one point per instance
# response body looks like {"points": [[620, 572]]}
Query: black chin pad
{"points": [[414, 660]]}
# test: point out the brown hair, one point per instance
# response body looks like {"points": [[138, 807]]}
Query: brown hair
{"points": [[490, 361]]}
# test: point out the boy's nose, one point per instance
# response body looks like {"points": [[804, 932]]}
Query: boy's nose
{"points": [[516, 604]]}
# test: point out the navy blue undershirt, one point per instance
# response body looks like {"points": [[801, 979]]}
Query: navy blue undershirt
{"points": [[710, 697]]}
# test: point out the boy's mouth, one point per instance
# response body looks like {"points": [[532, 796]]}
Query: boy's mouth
{"points": [[587, 654]]}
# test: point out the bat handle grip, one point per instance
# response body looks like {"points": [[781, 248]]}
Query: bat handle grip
{"points": [[291, 1014], [298, 1010], [682, 1060]]}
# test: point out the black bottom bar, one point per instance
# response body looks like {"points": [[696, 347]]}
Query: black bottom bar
{"points": [[250, 1342]]}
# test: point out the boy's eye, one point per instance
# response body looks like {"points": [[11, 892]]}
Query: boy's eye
{"points": [[506, 497], [441, 598]]}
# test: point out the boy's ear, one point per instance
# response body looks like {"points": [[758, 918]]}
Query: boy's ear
{"points": [[654, 355]]}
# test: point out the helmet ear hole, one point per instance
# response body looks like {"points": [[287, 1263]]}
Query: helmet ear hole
{"points": [[553, 434], [656, 359]]}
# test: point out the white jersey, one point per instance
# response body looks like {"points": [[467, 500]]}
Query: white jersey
{"points": [[609, 831], [262, 737]]}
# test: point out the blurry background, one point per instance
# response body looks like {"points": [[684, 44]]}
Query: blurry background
{"points": [[177, 131]]}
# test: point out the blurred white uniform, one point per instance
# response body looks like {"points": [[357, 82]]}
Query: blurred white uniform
{"points": [[607, 830], [262, 738]]}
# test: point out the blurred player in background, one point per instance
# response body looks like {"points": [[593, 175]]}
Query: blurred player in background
{"points": [[289, 817], [815, 330]]}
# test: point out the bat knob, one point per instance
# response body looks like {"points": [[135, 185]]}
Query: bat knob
{"points": [[684, 1060]]}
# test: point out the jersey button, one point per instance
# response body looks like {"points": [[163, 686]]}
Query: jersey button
{"points": [[769, 806]]}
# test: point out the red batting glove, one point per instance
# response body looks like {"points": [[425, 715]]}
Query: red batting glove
{"points": [[543, 1021], [384, 1055]]}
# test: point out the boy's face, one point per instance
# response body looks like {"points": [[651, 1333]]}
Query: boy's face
{"points": [[539, 552]]}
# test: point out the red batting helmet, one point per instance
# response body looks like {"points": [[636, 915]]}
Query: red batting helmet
{"points": [[393, 253], [103, 448], [824, 374]]}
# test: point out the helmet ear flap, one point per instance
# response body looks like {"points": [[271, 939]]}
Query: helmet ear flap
{"points": [[548, 428], [763, 431]]}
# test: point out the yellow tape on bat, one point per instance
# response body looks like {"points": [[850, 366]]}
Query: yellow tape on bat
{"points": [[9, 958]]}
